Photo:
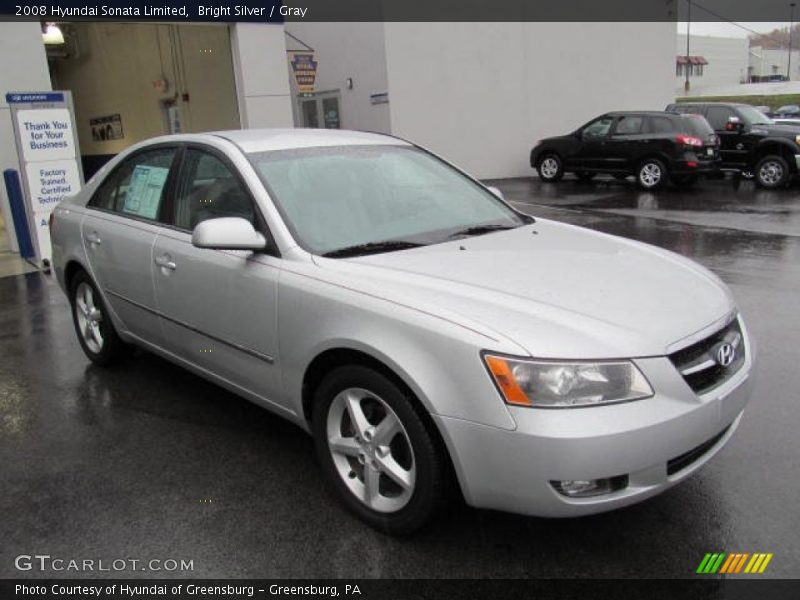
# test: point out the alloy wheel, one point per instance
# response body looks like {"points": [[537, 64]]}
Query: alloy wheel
{"points": [[549, 167], [371, 450], [771, 173], [650, 175], [89, 317]]}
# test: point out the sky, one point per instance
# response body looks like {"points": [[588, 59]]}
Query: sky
{"points": [[723, 29]]}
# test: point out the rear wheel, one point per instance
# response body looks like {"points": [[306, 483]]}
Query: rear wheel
{"points": [[96, 333], [550, 168], [772, 172], [651, 174], [585, 175], [375, 450]]}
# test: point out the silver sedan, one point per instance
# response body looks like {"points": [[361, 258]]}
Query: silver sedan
{"points": [[420, 328]]}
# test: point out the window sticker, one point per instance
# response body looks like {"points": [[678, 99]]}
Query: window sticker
{"points": [[144, 191]]}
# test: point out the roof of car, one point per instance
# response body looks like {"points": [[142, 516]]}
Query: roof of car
{"points": [[264, 140], [647, 113]]}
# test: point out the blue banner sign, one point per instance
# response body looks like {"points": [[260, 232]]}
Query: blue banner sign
{"points": [[34, 98]]}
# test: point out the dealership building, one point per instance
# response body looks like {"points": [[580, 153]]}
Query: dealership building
{"points": [[480, 94]]}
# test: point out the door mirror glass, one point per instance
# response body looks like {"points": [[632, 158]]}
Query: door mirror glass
{"points": [[228, 233], [733, 124], [496, 192]]}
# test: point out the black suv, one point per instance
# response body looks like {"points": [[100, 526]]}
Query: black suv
{"points": [[652, 146], [750, 142]]}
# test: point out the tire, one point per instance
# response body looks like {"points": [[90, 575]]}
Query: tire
{"points": [[772, 172], [550, 168], [585, 175], [684, 181], [349, 466], [93, 326], [651, 174]]}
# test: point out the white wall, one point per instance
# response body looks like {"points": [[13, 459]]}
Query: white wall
{"points": [[727, 61], [262, 78], [763, 59], [23, 67], [354, 50], [481, 94]]}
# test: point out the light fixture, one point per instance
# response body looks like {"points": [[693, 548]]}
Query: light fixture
{"points": [[52, 35]]}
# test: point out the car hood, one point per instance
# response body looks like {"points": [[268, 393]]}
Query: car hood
{"points": [[557, 290], [779, 130]]}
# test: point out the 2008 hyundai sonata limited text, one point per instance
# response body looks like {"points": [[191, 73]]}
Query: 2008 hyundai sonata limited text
{"points": [[422, 329]]}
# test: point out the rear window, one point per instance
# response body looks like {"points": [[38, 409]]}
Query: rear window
{"points": [[696, 125]]}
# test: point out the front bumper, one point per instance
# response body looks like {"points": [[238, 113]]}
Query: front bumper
{"points": [[512, 470]]}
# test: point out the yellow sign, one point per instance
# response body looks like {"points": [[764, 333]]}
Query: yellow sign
{"points": [[304, 68]]}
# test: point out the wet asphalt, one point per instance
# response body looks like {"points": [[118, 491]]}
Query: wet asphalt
{"points": [[148, 461]]}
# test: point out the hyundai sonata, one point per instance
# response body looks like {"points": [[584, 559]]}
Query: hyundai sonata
{"points": [[418, 326]]}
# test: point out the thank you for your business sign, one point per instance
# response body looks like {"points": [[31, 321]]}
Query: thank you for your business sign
{"points": [[47, 149]]}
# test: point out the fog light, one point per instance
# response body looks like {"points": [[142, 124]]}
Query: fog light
{"points": [[587, 488]]}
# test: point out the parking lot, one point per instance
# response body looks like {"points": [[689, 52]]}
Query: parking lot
{"points": [[149, 461]]}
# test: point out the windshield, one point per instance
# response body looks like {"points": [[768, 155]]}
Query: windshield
{"points": [[334, 198], [753, 116]]}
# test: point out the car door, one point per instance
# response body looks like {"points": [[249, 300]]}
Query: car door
{"points": [[731, 144], [591, 155], [119, 229], [218, 307], [625, 143]]}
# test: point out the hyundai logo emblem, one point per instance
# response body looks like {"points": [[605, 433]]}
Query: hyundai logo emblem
{"points": [[725, 354]]}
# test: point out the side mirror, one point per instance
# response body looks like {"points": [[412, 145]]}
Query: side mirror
{"points": [[496, 192], [734, 124], [228, 233]]}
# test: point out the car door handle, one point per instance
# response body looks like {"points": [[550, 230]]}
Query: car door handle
{"points": [[93, 238], [165, 262]]}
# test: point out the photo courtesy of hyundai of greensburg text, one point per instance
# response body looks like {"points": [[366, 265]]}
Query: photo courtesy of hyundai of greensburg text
{"points": [[383, 300]]}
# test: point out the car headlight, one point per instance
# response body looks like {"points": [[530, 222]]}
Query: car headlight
{"points": [[556, 384], [797, 140]]}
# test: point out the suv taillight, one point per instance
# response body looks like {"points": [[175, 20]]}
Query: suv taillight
{"points": [[689, 140]]}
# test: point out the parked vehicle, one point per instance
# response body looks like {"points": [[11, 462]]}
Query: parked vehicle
{"points": [[788, 111], [409, 319], [751, 142], [652, 146]]}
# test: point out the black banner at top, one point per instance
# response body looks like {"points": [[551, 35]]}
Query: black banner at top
{"points": [[277, 11]]}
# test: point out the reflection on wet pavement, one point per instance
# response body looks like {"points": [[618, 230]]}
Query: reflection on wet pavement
{"points": [[117, 463]]}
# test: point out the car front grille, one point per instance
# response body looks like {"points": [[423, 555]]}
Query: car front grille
{"points": [[687, 458], [712, 361]]}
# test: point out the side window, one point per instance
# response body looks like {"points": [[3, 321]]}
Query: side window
{"points": [[659, 125], [136, 186], [717, 116], [629, 125], [208, 190], [598, 127]]}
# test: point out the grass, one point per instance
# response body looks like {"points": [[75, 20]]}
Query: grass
{"points": [[772, 101]]}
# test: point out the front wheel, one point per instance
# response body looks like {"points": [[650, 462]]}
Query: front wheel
{"points": [[651, 174], [772, 172], [96, 333], [550, 168], [375, 451]]}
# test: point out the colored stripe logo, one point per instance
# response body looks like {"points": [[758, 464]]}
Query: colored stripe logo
{"points": [[734, 562]]}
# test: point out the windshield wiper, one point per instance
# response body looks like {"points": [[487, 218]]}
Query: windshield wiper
{"points": [[371, 248], [481, 229]]}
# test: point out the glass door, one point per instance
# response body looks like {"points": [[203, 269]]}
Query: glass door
{"points": [[320, 110]]}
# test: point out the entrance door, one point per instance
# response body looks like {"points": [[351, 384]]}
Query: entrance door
{"points": [[320, 110]]}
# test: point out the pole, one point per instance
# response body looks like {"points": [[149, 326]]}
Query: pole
{"points": [[791, 27], [688, 30]]}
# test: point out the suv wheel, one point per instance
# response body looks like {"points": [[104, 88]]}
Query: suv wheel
{"points": [[651, 174], [96, 333], [375, 450], [550, 168], [772, 172]]}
